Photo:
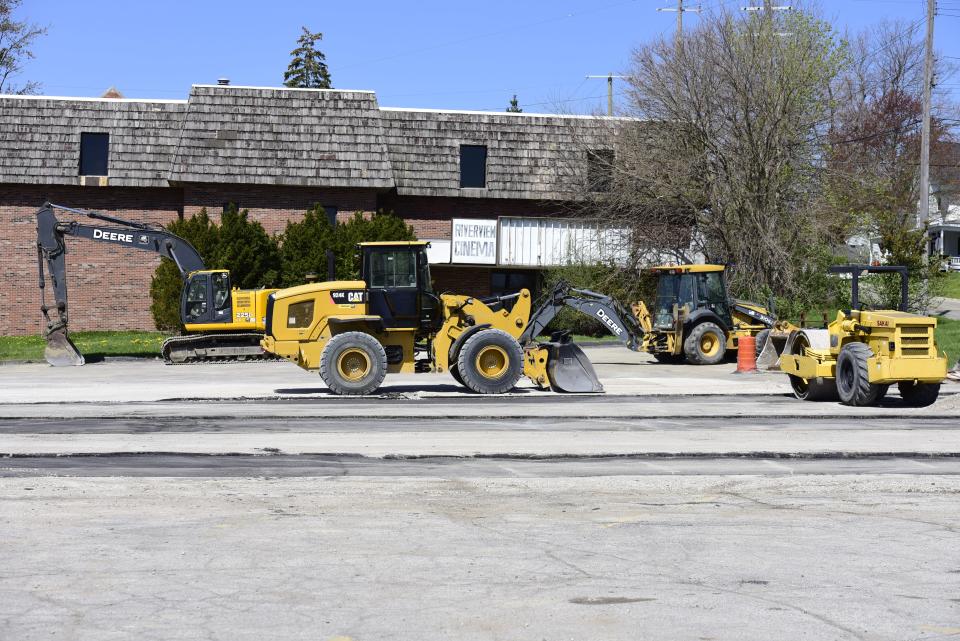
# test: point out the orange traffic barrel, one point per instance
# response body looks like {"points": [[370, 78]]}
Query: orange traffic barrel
{"points": [[746, 355]]}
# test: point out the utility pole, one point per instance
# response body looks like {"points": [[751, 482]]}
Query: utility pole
{"points": [[609, 78], [925, 132], [680, 11]]}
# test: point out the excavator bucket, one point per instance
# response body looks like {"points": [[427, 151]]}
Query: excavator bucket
{"points": [[569, 369], [60, 350]]}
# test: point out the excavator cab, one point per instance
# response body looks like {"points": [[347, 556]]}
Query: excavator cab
{"points": [[206, 298]]}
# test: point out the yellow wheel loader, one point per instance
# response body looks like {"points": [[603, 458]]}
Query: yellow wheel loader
{"points": [[696, 321], [222, 322], [355, 332], [863, 352]]}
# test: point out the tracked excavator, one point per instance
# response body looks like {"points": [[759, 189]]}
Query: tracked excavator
{"points": [[222, 323], [355, 332]]}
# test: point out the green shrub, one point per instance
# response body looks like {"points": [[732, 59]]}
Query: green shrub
{"points": [[304, 244]]}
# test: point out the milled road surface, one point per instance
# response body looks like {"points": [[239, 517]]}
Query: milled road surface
{"points": [[144, 502]]}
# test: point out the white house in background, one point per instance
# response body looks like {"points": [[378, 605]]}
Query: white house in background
{"points": [[945, 231]]}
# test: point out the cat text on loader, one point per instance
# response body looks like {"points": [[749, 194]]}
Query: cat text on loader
{"points": [[222, 322], [696, 321], [355, 332], [861, 353]]}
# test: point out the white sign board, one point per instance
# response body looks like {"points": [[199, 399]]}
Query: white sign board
{"points": [[474, 241], [438, 252]]}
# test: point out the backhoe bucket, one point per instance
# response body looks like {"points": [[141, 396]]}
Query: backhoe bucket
{"points": [[569, 369], [769, 357], [60, 350]]}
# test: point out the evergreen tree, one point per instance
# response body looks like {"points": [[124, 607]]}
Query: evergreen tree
{"points": [[304, 245], [308, 67], [514, 107]]}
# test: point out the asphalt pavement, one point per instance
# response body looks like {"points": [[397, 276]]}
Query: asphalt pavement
{"points": [[239, 502]]}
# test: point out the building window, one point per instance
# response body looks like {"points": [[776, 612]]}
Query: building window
{"points": [[231, 205], [473, 166], [600, 169], [94, 152], [331, 212]]}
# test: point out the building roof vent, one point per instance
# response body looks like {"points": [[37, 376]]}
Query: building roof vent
{"points": [[112, 92], [223, 81]]}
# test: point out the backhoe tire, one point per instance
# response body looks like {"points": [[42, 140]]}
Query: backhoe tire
{"points": [[812, 390], [490, 362], [353, 364], [853, 384], [706, 344], [919, 394], [762, 337], [669, 359]]}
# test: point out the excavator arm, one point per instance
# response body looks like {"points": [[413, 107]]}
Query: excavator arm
{"points": [[560, 364], [611, 314], [51, 251]]}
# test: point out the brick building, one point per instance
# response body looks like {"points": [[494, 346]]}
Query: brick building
{"points": [[489, 189]]}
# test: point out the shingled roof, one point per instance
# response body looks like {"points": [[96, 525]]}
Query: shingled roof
{"points": [[315, 137], [296, 137], [529, 156], [40, 138]]}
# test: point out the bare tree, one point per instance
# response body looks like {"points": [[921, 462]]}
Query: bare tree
{"points": [[721, 150], [16, 40]]}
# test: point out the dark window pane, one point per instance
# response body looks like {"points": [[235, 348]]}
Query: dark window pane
{"points": [[230, 205], [600, 169], [300, 315], [473, 165], [94, 152], [331, 212], [393, 269]]}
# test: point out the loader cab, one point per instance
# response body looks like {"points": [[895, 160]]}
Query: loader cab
{"points": [[206, 298], [398, 285], [700, 288]]}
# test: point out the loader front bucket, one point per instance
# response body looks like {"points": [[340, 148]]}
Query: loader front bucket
{"points": [[569, 369], [60, 350]]}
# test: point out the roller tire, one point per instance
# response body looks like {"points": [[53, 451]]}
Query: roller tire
{"points": [[693, 344], [919, 394], [853, 384], [506, 345], [762, 337], [370, 381], [813, 390]]}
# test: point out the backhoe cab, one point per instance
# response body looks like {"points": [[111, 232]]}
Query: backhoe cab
{"points": [[355, 332], [696, 320], [863, 352]]}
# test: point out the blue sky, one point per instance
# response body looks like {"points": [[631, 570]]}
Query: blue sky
{"points": [[450, 55]]}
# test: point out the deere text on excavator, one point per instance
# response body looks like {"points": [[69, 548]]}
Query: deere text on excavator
{"points": [[355, 332], [222, 323]]}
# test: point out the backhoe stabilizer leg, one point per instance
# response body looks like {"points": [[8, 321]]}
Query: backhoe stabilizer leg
{"points": [[569, 369], [60, 350]]}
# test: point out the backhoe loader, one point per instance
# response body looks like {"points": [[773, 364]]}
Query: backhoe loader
{"points": [[858, 356], [355, 332], [696, 321], [222, 323]]}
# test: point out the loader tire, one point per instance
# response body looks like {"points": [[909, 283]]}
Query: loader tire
{"points": [[762, 337], [455, 373], [669, 359], [706, 344], [919, 394], [814, 390], [353, 364], [490, 362], [853, 385]]}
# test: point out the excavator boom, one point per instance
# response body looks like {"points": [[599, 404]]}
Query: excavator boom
{"points": [[51, 259]]}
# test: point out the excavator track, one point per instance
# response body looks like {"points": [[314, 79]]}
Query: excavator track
{"points": [[214, 348]]}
